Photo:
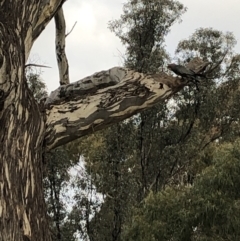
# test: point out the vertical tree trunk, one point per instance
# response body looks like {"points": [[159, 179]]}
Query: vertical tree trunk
{"points": [[22, 207]]}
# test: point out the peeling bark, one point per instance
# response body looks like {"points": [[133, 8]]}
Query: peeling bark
{"points": [[22, 207], [102, 99]]}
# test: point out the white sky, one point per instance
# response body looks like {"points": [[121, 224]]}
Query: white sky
{"points": [[91, 47]]}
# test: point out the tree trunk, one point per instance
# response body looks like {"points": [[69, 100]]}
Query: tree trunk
{"points": [[22, 207]]}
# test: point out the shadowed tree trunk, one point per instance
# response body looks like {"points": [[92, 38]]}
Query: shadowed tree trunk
{"points": [[73, 110], [22, 207]]}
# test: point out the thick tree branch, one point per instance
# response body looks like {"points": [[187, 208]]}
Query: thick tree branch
{"points": [[29, 18], [60, 47], [41, 14], [102, 99]]}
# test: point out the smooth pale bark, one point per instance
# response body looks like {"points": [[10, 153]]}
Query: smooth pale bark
{"points": [[60, 43], [71, 111]]}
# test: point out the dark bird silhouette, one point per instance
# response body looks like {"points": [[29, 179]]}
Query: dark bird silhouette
{"points": [[184, 72]]}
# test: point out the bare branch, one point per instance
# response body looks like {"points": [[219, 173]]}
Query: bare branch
{"points": [[217, 64], [102, 99], [71, 29], [36, 65], [198, 65], [60, 47]]}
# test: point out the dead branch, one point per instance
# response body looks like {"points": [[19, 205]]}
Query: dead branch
{"points": [[60, 47], [71, 29]]}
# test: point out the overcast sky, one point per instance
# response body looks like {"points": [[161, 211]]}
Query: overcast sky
{"points": [[91, 47]]}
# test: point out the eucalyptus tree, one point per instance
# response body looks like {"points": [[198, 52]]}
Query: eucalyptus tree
{"points": [[142, 29], [208, 210], [29, 128], [200, 202]]}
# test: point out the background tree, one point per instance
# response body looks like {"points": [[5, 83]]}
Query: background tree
{"points": [[167, 140], [142, 29], [207, 210], [57, 194], [211, 117], [36, 85], [112, 165]]}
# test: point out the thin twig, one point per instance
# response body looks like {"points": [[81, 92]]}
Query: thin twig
{"points": [[71, 29], [217, 64], [37, 65]]}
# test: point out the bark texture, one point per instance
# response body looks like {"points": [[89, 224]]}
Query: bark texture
{"points": [[102, 99], [60, 47], [22, 207]]}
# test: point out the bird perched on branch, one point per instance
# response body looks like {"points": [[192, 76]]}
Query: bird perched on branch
{"points": [[184, 72]]}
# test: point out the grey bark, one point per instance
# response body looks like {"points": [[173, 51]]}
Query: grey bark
{"points": [[60, 47]]}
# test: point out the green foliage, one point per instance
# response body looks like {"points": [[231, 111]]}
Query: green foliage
{"points": [[161, 149], [207, 210], [213, 46], [56, 183], [142, 28], [109, 163], [120, 160], [36, 86], [208, 43]]}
